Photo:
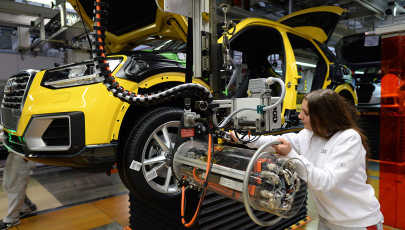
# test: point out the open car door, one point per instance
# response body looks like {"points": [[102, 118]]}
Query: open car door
{"points": [[135, 22], [318, 22]]}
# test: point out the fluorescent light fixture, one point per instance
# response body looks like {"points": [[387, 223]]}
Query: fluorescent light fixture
{"points": [[47, 2], [305, 64], [359, 72]]}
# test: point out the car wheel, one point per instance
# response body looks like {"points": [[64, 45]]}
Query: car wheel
{"points": [[348, 96], [149, 146]]}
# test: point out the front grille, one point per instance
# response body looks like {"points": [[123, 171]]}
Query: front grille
{"points": [[14, 99], [57, 133], [14, 142]]}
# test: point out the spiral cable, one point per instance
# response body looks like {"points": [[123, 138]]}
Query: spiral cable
{"points": [[98, 37]]}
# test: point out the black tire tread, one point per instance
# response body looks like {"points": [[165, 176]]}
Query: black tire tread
{"points": [[133, 186]]}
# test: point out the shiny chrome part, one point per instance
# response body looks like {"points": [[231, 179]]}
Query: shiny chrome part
{"points": [[156, 158], [16, 89], [271, 177], [37, 128], [15, 93], [273, 168], [234, 173], [287, 176]]}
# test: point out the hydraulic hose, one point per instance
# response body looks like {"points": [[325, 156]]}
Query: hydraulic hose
{"points": [[103, 70], [245, 189], [269, 81], [234, 74]]}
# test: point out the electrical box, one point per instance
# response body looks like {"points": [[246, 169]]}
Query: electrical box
{"points": [[21, 39], [267, 121]]}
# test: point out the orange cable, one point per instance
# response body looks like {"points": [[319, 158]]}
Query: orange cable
{"points": [[102, 48], [191, 223]]}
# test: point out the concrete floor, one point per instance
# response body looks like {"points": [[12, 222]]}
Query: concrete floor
{"points": [[60, 187]]}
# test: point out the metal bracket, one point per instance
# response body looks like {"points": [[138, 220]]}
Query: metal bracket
{"points": [[206, 63], [206, 42]]}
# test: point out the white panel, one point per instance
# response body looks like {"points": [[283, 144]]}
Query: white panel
{"points": [[182, 7], [390, 28]]}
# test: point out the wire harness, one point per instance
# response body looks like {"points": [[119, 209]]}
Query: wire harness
{"points": [[103, 70]]}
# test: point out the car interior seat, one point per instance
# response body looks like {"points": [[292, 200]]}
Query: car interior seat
{"points": [[319, 75], [241, 92]]}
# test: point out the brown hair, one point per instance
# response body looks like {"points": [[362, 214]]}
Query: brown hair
{"points": [[331, 113]]}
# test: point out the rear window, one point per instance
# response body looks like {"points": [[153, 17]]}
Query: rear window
{"points": [[354, 51]]}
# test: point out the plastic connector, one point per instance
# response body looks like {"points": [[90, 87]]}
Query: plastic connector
{"points": [[183, 182], [260, 109], [269, 81]]}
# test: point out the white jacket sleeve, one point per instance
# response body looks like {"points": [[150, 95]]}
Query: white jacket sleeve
{"points": [[345, 157]]}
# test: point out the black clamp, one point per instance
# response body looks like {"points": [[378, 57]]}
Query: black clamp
{"points": [[183, 182]]}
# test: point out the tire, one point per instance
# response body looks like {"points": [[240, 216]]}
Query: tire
{"points": [[149, 141], [348, 96]]}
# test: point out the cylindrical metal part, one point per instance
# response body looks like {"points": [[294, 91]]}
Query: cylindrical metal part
{"points": [[246, 123], [273, 182]]}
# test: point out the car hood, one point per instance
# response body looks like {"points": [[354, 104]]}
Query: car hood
{"points": [[318, 22], [355, 52], [135, 22]]}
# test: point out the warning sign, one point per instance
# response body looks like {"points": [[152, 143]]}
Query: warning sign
{"points": [[187, 132]]}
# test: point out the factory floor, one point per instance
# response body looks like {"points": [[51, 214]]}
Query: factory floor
{"points": [[68, 199]]}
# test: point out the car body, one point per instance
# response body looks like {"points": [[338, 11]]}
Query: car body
{"points": [[364, 59], [65, 116]]}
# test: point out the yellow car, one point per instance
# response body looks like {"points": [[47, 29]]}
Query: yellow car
{"points": [[65, 116]]}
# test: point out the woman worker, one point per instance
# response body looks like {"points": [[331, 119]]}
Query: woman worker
{"points": [[334, 151]]}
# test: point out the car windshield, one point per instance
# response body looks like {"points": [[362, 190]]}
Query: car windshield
{"points": [[369, 70]]}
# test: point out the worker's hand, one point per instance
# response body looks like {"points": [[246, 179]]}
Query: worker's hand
{"points": [[233, 136], [284, 148]]}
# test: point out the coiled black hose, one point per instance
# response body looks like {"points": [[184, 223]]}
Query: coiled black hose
{"points": [[102, 68]]}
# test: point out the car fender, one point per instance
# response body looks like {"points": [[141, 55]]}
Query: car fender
{"points": [[348, 88]]}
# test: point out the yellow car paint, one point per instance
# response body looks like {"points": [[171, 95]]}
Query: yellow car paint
{"points": [[332, 9], [168, 77], [99, 106], [348, 88], [315, 32]]}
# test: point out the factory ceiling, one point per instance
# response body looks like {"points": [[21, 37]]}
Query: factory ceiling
{"points": [[363, 15]]}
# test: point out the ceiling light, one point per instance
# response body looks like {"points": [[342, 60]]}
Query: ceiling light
{"points": [[305, 64]]}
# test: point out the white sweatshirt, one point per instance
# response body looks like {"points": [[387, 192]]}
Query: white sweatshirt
{"points": [[336, 176]]}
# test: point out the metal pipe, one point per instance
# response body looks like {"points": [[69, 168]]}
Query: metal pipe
{"points": [[246, 198]]}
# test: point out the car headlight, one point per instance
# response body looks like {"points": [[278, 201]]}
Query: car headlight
{"points": [[76, 74]]}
